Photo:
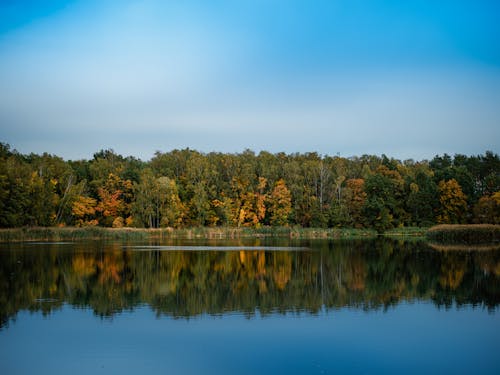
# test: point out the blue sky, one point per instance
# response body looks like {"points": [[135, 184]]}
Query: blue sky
{"points": [[410, 79]]}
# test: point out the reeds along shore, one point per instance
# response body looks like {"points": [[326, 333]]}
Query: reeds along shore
{"points": [[440, 234], [83, 233]]}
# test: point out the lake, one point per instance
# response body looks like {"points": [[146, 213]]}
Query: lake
{"points": [[248, 306]]}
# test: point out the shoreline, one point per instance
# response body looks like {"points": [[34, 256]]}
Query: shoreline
{"points": [[8, 235], [465, 235]]}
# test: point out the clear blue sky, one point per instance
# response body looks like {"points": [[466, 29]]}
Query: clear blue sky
{"points": [[410, 79]]}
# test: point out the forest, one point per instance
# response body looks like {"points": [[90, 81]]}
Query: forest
{"points": [[187, 188]]}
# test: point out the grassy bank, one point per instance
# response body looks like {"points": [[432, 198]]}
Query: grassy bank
{"points": [[472, 234], [70, 234], [75, 234]]}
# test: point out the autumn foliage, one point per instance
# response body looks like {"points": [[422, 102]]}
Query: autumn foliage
{"points": [[453, 202], [185, 188]]}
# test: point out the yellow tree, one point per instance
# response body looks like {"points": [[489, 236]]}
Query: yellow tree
{"points": [[250, 207], [452, 201], [83, 210], [249, 214], [280, 204]]}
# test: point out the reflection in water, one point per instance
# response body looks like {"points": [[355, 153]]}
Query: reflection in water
{"points": [[362, 274], [216, 248]]}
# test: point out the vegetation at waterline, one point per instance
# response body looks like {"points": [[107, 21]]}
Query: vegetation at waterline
{"points": [[125, 234], [465, 234], [186, 188], [364, 274], [470, 234], [407, 232]]}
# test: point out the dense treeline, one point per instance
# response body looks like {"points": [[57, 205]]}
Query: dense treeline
{"points": [[185, 188], [360, 274]]}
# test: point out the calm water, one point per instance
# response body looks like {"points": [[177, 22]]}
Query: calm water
{"points": [[248, 307]]}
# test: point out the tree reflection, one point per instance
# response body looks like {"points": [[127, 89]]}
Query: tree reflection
{"points": [[360, 274]]}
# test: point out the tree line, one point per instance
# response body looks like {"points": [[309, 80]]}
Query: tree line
{"points": [[185, 188]]}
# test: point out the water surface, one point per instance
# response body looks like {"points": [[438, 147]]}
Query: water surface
{"points": [[247, 307]]}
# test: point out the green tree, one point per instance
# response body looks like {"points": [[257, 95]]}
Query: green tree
{"points": [[487, 210], [172, 210], [380, 202], [15, 180], [43, 199], [422, 197], [157, 202], [145, 210]]}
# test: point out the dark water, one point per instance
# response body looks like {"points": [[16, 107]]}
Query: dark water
{"points": [[248, 307]]}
